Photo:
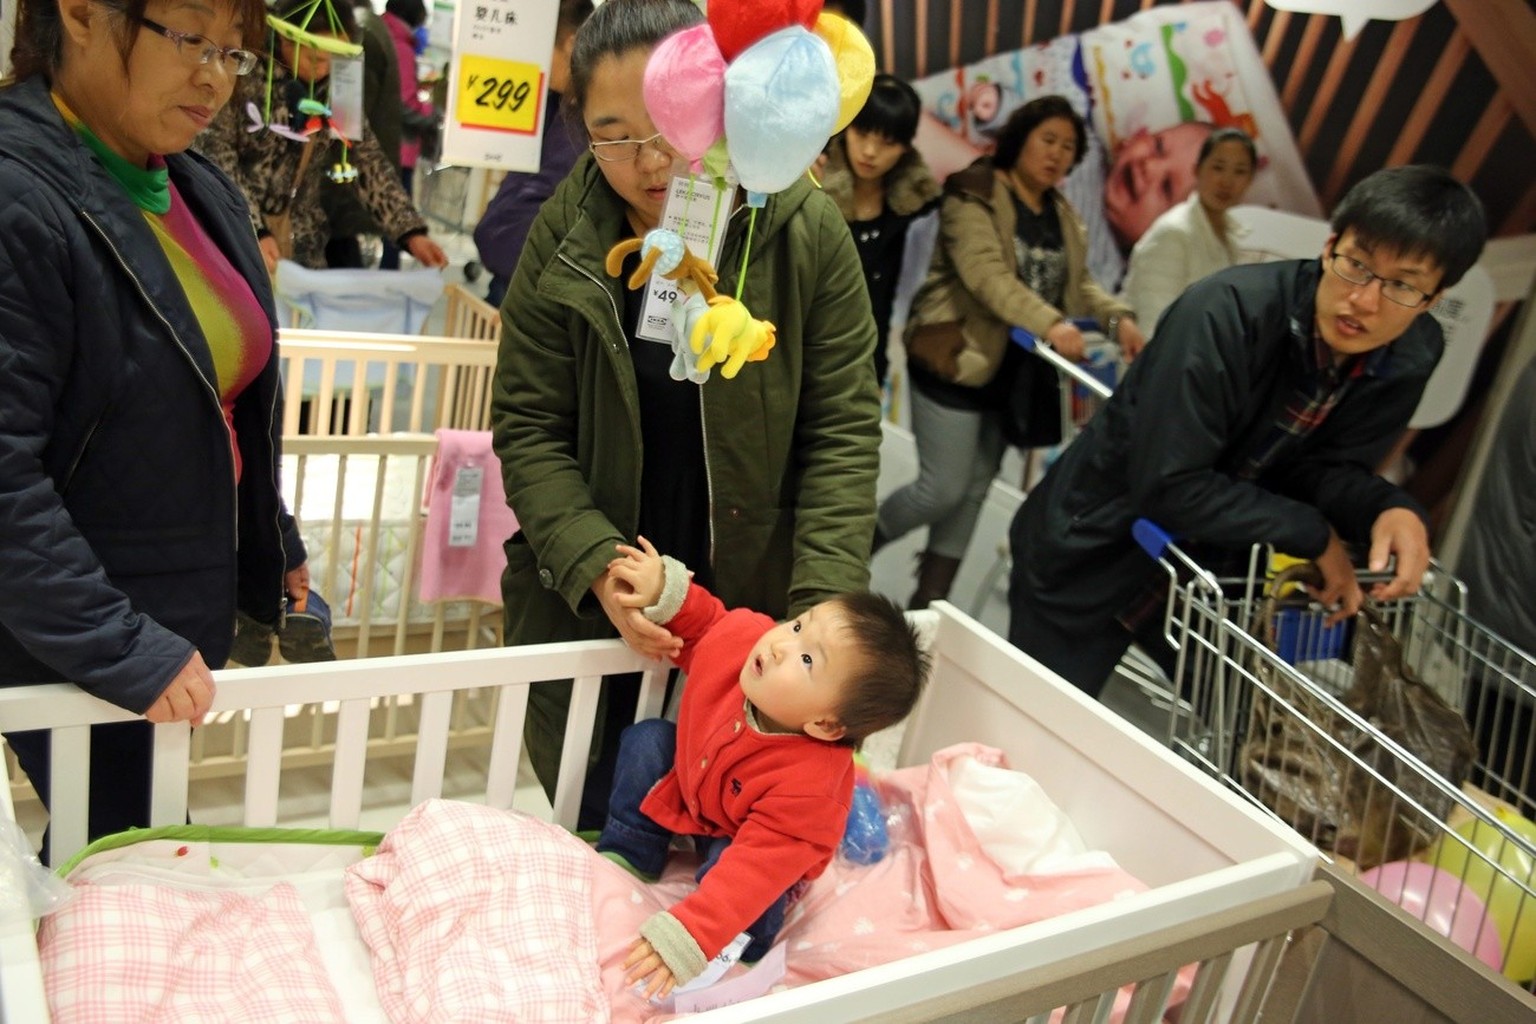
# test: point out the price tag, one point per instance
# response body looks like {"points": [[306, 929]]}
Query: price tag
{"points": [[499, 95], [464, 509], [700, 213]]}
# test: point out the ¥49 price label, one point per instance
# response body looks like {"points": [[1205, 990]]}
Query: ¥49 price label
{"points": [[502, 95]]}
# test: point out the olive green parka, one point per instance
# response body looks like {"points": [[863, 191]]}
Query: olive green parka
{"points": [[791, 443]]}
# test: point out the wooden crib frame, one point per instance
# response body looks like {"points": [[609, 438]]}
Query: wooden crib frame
{"points": [[1228, 884]]}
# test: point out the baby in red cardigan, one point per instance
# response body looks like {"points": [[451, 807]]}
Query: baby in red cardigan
{"points": [[759, 767]]}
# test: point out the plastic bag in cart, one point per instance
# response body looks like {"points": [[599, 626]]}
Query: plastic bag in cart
{"points": [[1339, 783]]}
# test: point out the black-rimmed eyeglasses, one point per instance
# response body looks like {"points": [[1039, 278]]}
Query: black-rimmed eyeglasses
{"points": [[1400, 292], [199, 50]]}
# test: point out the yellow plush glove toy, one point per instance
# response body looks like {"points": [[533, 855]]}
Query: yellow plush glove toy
{"points": [[724, 334], [728, 335]]}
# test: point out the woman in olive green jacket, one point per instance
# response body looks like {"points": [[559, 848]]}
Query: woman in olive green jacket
{"points": [[766, 480]]}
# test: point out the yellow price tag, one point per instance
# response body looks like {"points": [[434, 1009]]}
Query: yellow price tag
{"points": [[500, 95]]}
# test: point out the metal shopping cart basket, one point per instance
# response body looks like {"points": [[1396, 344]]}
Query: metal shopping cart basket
{"points": [[1255, 672]]}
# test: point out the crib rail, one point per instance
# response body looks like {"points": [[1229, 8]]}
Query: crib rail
{"points": [[358, 690], [338, 382], [470, 316]]}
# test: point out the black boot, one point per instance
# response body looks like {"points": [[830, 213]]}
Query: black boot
{"points": [[935, 575], [880, 541]]}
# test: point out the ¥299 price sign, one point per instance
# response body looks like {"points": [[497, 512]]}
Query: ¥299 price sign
{"points": [[499, 95]]}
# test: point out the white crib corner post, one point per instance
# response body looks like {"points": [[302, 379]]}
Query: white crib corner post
{"points": [[69, 791]]}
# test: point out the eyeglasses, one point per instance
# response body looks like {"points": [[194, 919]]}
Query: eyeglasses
{"points": [[1355, 272], [200, 51], [629, 149]]}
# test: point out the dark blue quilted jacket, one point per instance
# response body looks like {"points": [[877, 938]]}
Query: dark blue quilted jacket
{"points": [[124, 542]]}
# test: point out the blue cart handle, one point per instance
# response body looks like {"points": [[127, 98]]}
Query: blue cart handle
{"points": [[1028, 341], [1154, 540]]}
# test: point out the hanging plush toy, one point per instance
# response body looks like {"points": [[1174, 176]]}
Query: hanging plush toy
{"points": [[709, 329], [309, 117]]}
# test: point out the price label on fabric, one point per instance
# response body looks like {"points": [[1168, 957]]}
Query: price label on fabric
{"points": [[500, 95], [700, 213], [464, 509]]}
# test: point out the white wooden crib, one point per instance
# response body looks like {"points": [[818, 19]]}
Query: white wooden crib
{"points": [[1227, 885]]}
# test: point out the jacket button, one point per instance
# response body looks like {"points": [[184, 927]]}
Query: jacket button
{"points": [[736, 727], [703, 762], [735, 513], [547, 578]]}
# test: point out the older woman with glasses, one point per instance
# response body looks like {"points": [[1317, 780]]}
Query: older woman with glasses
{"points": [[280, 165], [139, 403], [763, 484]]}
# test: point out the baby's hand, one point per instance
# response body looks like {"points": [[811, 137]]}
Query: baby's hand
{"points": [[642, 570], [645, 963]]}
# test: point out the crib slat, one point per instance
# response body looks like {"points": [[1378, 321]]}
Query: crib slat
{"points": [[1090, 1011], [69, 760], [263, 767], [573, 754], [431, 745], [1150, 999], [351, 757], [1250, 999], [1200, 1006], [168, 795], [653, 694], [506, 746]]}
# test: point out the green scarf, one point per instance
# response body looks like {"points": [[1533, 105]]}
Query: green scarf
{"points": [[148, 187]]}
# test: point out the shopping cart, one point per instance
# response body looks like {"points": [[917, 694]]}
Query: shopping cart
{"points": [[1085, 384], [1253, 666], [444, 194]]}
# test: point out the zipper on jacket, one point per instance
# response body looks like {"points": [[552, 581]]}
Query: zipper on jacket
{"points": [[208, 388], [709, 479]]}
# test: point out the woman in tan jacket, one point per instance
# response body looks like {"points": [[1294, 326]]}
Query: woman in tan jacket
{"points": [[1011, 252]]}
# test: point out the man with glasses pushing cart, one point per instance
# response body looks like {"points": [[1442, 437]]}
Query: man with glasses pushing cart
{"points": [[1258, 415]]}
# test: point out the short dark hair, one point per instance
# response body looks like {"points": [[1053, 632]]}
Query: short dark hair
{"points": [[1417, 210], [1016, 130], [892, 110], [892, 665], [573, 14], [412, 12], [39, 45], [1228, 134], [616, 28]]}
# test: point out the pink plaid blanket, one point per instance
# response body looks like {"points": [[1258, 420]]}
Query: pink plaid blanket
{"points": [[119, 953], [477, 915]]}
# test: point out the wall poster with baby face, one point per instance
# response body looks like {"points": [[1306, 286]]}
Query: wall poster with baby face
{"points": [[1151, 88]]}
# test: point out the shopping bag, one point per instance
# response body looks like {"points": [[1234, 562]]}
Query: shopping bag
{"points": [[1337, 781]]}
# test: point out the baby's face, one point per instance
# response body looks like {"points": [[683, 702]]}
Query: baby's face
{"points": [[797, 671]]}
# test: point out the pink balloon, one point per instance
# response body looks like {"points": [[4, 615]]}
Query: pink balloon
{"points": [[685, 91], [1440, 900]]}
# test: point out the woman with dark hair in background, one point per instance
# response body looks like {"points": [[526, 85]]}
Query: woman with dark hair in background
{"points": [[1196, 238], [280, 175], [139, 407], [881, 185], [764, 484], [1011, 252]]}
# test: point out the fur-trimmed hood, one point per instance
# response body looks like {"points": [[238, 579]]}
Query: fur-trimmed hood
{"points": [[909, 186]]}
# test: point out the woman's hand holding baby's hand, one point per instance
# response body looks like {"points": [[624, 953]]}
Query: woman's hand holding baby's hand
{"points": [[645, 963], [643, 570], [622, 602]]}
